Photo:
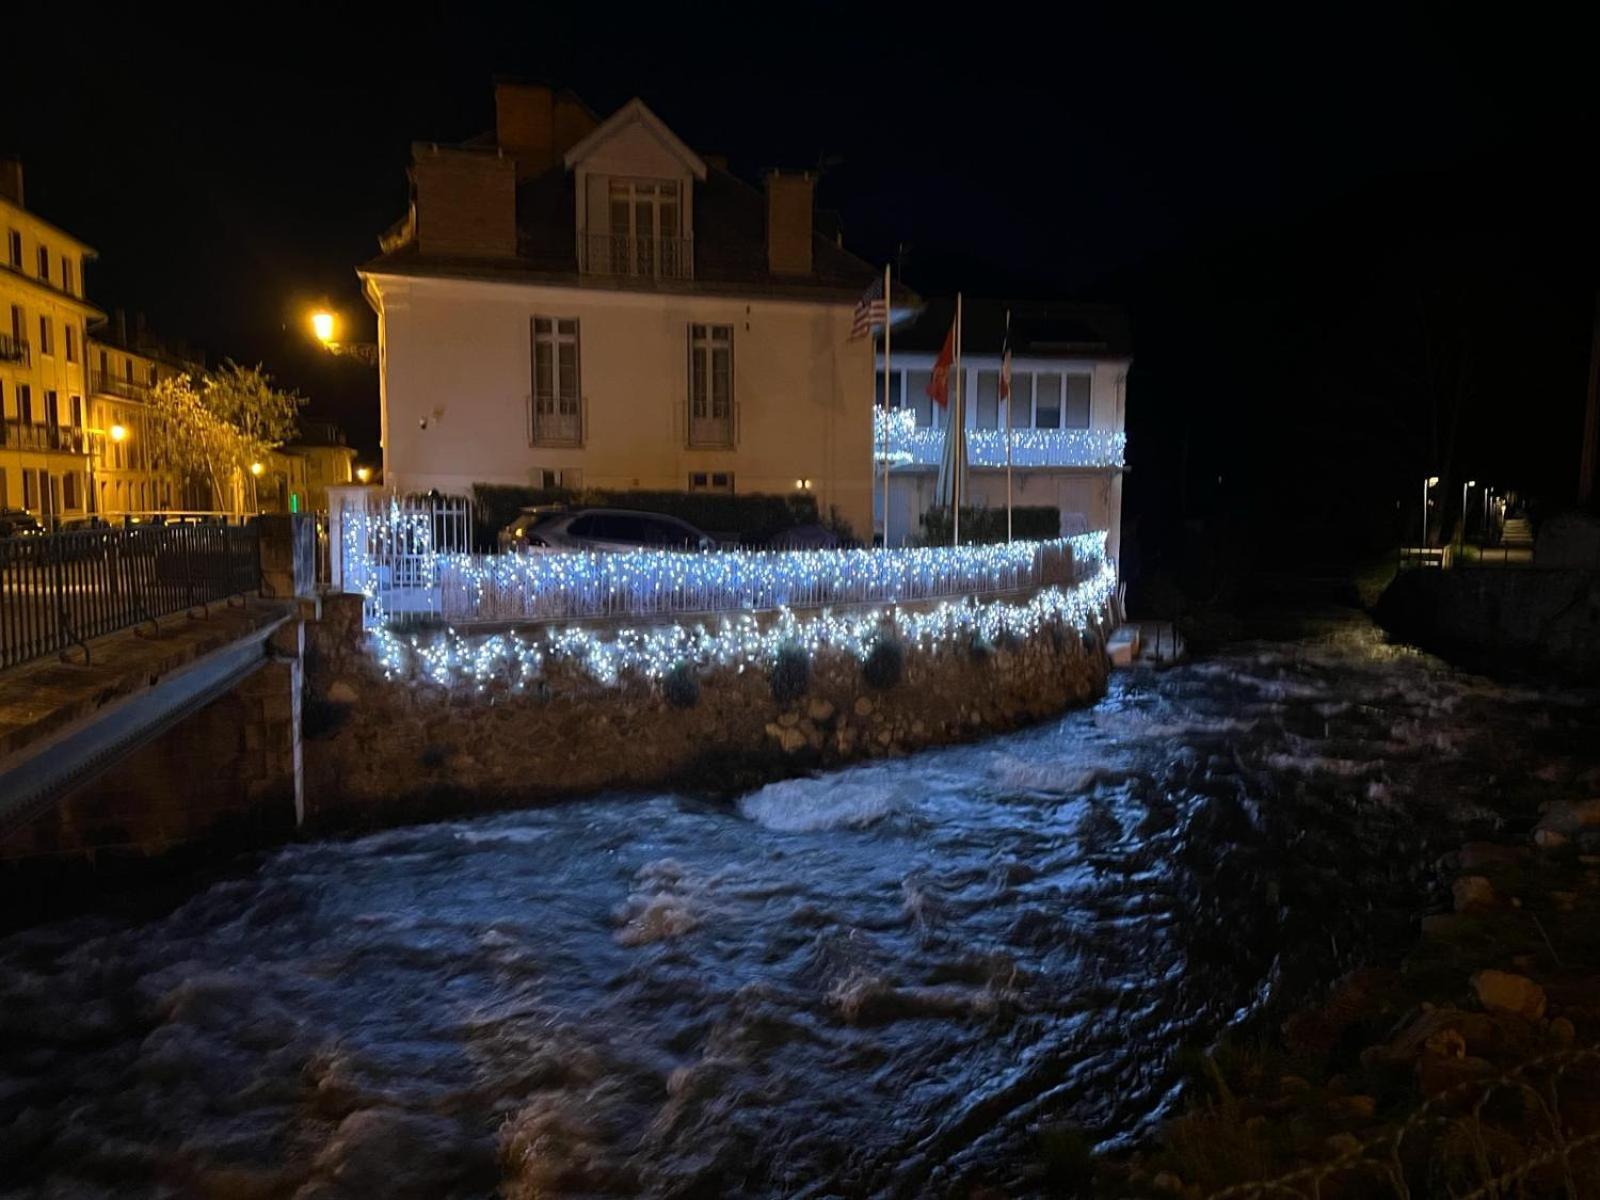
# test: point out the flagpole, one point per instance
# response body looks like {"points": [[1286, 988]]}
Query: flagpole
{"points": [[957, 430], [1006, 366], [888, 374]]}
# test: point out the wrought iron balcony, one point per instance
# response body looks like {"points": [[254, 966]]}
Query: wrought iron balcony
{"points": [[104, 383], [552, 427], [900, 440], [15, 350], [636, 257], [17, 434]]}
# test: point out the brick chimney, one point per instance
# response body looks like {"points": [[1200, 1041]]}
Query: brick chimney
{"points": [[11, 181], [789, 195], [536, 126], [465, 202]]}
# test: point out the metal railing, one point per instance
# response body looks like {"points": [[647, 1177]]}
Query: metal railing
{"points": [[551, 428], [107, 384], [58, 590], [713, 431], [31, 435], [898, 439], [15, 350], [641, 257], [557, 587]]}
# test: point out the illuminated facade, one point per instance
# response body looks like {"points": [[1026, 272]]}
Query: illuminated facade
{"points": [[1067, 413], [44, 460], [124, 478], [589, 302]]}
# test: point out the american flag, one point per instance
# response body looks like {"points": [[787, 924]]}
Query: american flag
{"points": [[872, 309]]}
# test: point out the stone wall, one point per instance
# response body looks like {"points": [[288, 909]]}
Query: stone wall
{"points": [[379, 749], [1541, 619]]}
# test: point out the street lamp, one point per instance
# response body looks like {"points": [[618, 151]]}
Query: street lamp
{"points": [[324, 324], [363, 474], [118, 433], [256, 468], [1430, 482]]}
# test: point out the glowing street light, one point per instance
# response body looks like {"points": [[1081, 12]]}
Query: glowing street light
{"points": [[1432, 481], [256, 468], [363, 474], [322, 326], [119, 433]]}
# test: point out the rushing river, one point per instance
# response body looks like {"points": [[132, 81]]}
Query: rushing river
{"points": [[880, 981]]}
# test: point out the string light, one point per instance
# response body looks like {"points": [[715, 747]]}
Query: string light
{"points": [[508, 663], [900, 441]]}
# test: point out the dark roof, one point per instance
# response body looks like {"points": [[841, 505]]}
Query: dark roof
{"points": [[1039, 329], [730, 247]]}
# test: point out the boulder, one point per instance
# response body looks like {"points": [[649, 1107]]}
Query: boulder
{"points": [[1435, 1075], [1549, 839], [820, 710], [1569, 816], [1352, 1108], [1503, 992]]}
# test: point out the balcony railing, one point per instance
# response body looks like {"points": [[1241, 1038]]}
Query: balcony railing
{"points": [[17, 434], [15, 350], [638, 257], [711, 432], [899, 439], [105, 384], [554, 428]]}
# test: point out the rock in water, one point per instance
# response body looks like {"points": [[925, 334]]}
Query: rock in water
{"points": [[1501, 991], [1472, 893]]}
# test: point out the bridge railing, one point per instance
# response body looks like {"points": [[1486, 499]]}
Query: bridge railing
{"points": [[58, 590]]}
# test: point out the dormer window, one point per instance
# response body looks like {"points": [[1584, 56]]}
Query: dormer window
{"points": [[644, 231]]}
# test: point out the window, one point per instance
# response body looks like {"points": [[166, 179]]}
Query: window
{"points": [[711, 385], [75, 409], [150, 375], [1047, 400], [66, 274], [896, 379], [987, 415], [24, 403], [69, 490], [103, 372], [16, 322], [16, 249], [47, 344], [44, 262], [52, 414], [917, 395], [5, 494], [127, 369], [72, 343], [557, 412], [1077, 412], [30, 490], [644, 229], [711, 481]]}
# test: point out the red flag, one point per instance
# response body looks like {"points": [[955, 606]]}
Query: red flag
{"points": [[939, 384], [1005, 362]]}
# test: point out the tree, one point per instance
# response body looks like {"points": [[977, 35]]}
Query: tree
{"points": [[214, 432]]}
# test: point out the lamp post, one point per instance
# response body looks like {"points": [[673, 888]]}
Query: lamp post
{"points": [[1471, 483], [1428, 483]]}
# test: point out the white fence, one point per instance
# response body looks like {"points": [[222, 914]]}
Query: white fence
{"points": [[409, 558]]}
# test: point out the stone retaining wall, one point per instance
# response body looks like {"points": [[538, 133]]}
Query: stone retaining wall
{"points": [[379, 749]]}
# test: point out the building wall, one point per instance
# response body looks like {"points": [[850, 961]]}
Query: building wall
{"points": [[56, 483], [457, 390], [125, 479], [1092, 494]]}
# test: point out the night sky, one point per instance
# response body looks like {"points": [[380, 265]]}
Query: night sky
{"points": [[1280, 196]]}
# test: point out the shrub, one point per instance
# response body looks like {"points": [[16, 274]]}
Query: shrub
{"points": [[790, 676], [681, 687], [885, 663], [987, 526]]}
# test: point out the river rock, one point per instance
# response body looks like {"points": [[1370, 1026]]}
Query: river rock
{"points": [[340, 692], [1473, 893], [1477, 855], [863, 706], [1549, 839], [1569, 816], [1352, 1108], [820, 710], [1501, 991]]}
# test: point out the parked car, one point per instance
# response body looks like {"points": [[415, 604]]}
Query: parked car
{"points": [[80, 524], [18, 522], [546, 531]]}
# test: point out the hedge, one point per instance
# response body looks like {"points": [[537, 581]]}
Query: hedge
{"points": [[749, 518], [984, 526]]}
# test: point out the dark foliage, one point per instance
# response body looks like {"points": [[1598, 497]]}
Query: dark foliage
{"points": [[681, 687], [885, 663], [791, 673]]}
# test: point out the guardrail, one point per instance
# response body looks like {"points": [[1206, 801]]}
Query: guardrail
{"points": [[58, 590], [899, 440]]}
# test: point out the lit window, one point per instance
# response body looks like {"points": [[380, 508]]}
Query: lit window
{"points": [[1077, 410]]}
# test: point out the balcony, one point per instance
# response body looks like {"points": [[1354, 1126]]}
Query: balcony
{"points": [[16, 434], [903, 443], [552, 427], [15, 350], [105, 384], [712, 432], [620, 254]]}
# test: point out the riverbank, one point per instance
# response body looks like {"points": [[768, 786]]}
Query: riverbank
{"points": [[1471, 1065]]}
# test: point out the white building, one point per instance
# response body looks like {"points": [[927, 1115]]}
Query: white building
{"points": [[590, 302], [1068, 406]]}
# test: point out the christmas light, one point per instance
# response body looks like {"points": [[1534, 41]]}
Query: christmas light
{"points": [[507, 663], [900, 441]]}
